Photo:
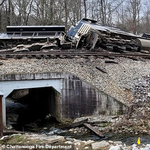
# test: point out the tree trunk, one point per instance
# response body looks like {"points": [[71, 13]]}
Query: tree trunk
{"points": [[0, 19], [66, 13], [102, 12], [51, 12], [85, 9]]}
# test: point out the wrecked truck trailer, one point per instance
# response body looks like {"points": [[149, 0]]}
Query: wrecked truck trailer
{"points": [[88, 34]]}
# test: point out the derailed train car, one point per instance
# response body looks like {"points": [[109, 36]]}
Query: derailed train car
{"points": [[88, 34], [30, 34]]}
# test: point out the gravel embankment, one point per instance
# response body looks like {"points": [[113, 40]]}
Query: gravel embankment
{"points": [[119, 81]]}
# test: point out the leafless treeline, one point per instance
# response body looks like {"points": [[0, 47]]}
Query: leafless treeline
{"points": [[130, 15]]}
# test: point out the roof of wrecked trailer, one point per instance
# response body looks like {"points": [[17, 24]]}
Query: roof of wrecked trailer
{"points": [[115, 30]]}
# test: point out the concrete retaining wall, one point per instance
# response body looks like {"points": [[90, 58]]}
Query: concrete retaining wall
{"points": [[76, 99]]}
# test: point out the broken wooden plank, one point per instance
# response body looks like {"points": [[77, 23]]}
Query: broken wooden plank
{"points": [[77, 124], [103, 71], [95, 131]]}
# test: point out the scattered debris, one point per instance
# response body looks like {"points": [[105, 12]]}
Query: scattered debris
{"points": [[10, 132], [50, 46], [100, 145], [35, 47], [91, 128], [2, 58], [7, 50], [112, 62], [103, 71], [20, 46], [86, 35], [67, 45], [110, 57], [21, 50], [38, 56]]}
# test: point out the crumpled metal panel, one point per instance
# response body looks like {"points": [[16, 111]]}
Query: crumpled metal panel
{"points": [[73, 31]]}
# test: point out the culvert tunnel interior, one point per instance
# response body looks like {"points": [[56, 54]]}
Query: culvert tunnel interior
{"points": [[31, 106]]}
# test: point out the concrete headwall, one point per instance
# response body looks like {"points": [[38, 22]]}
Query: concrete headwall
{"points": [[80, 99], [77, 98]]}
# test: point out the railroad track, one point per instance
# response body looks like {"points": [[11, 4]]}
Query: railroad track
{"points": [[67, 54]]}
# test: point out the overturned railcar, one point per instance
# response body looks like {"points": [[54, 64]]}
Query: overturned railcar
{"points": [[24, 34], [87, 33], [34, 32]]}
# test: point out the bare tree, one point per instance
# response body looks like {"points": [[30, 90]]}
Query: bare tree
{"points": [[123, 13], [23, 9], [1, 14], [52, 11], [7, 14], [145, 20], [66, 12], [103, 11], [134, 10]]}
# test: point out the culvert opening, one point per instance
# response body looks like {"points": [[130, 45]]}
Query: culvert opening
{"points": [[31, 109]]}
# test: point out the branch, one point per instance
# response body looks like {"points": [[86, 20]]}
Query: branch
{"points": [[27, 18], [117, 6], [2, 2]]}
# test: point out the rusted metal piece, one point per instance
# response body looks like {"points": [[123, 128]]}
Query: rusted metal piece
{"points": [[91, 128], [1, 116]]}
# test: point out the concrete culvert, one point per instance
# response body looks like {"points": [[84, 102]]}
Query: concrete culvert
{"points": [[29, 108]]}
